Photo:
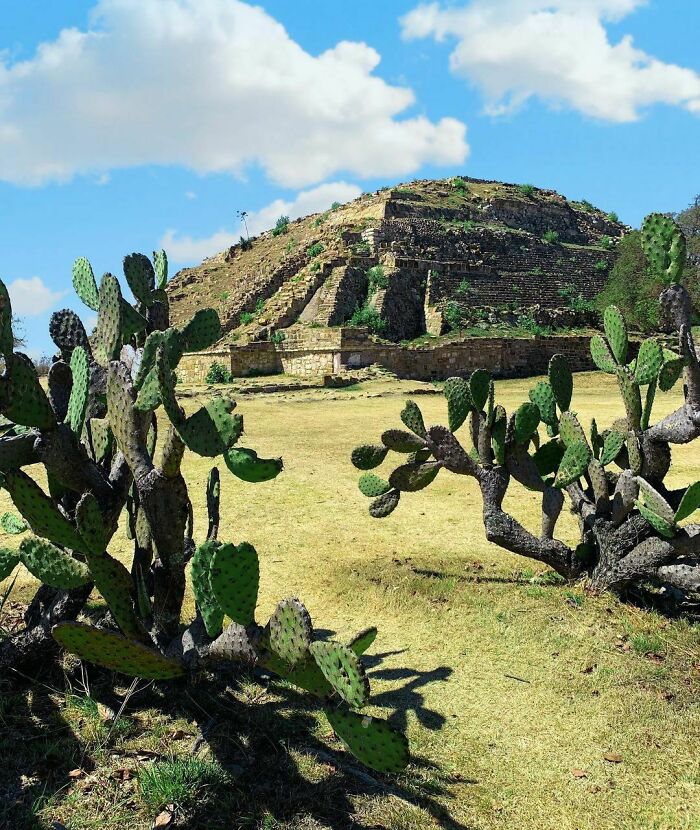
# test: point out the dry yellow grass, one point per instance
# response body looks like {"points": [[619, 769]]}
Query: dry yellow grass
{"points": [[513, 688]]}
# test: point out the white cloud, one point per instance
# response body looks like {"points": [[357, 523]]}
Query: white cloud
{"points": [[186, 249], [213, 85], [190, 195], [32, 297], [557, 50]]}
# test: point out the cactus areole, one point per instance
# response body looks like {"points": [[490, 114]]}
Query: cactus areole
{"points": [[105, 452], [635, 532]]}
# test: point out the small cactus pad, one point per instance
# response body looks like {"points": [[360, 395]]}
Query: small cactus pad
{"points": [[307, 675], [368, 456], [363, 640], [612, 444], [660, 525], [631, 398], [27, 402], [107, 336], [160, 263], [400, 441], [671, 370], [52, 566], [655, 501], [212, 429], [202, 331], [13, 524], [291, 631], [208, 605], [140, 277], [371, 740], [413, 418], [100, 437], [8, 562], [573, 464], [649, 362], [114, 582], [84, 283], [39, 511], [384, 505], [480, 387], [343, 670], [459, 402], [67, 332], [132, 322], [616, 332], [498, 434], [689, 503], [570, 429], [7, 340], [601, 354], [78, 401], [664, 246], [372, 485], [245, 464], [561, 380], [543, 398], [114, 652], [410, 478], [548, 457], [91, 524], [527, 419], [235, 577]]}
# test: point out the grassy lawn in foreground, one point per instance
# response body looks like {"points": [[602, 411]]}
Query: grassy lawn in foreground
{"points": [[529, 704]]}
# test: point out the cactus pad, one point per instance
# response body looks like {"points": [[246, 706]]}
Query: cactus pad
{"points": [[343, 670], [12, 524], [601, 354], [671, 370], [371, 740], [384, 505], [612, 444], [573, 464], [480, 387], [368, 456], [52, 566], [543, 398], [660, 525], [655, 501], [91, 524], [649, 362], [114, 652], [372, 485], [527, 419], [78, 401], [27, 401], [107, 336], [245, 464], [160, 264], [67, 332], [410, 478], [208, 605], [140, 277], [363, 640], [8, 562], [689, 503], [202, 331], [664, 246], [571, 430], [114, 582], [400, 441], [100, 437], [548, 457], [631, 397], [84, 283], [211, 430], [616, 332], [561, 380], [413, 418], [291, 631], [235, 577], [459, 402], [7, 340]]}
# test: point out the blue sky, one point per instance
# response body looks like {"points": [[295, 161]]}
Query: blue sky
{"points": [[128, 124]]}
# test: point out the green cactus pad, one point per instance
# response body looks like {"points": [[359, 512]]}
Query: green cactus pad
{"points": [[599, 481], [413, 418], [52, 566], [480, 387], [571, 430], [27, 403], [212, 613], [235, 577], [160, 263], [132, 322], [12, 524], [343, 670], [548, 457], [384, 505], [91, 524], [527, 419], [114, 582], [410, 478], [100, 437], [664, 246], [661, 526], [649, 362], [363, 640], [143, 601], [212, 429], [291, 631], [78, 401], [543, 398], [84, 283], [8, 562], [371, 740], [202, 331], [601, 354], [655, 501], [67, 332], [372, 485], [498, 434], [245, 464], [573, 464], [634, 453], [107, 337], [7, 340], [459, 402], [400, 441], [140, 277], [307, 675], [616, 332], [124, 419], [631, 397], [671, 370], [612, 444], [689, 503], [561, 380], [368, 456], [39, 511], [114, 652]]}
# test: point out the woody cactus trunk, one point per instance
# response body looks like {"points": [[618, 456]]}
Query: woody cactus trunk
{"points": [[104, 453], [634, 530]]}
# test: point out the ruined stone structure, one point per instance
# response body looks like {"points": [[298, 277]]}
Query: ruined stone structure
{"points": [[421, 256]]}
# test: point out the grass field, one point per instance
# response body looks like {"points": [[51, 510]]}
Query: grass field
{"points": [[528, 703]]}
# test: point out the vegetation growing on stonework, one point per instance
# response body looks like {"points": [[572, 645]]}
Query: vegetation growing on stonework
{"points": [[218, 373], [281, 226], [111, 436], [634, 530]]}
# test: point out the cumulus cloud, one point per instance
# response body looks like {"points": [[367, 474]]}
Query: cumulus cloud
{"points": [[32, 297], [557, 50], [186, 249], [215, 86]]}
